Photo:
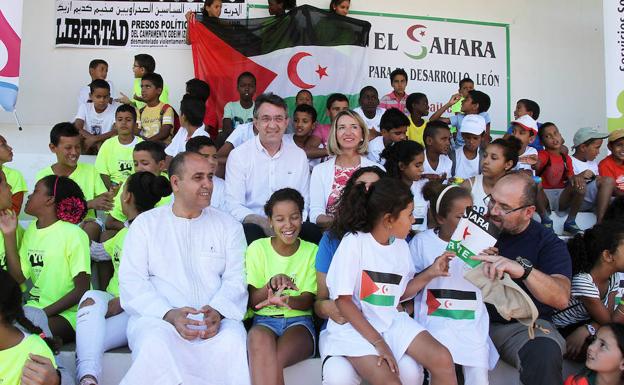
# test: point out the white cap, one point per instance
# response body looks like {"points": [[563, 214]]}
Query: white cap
{"points": [[526, 122], [472, 124]]}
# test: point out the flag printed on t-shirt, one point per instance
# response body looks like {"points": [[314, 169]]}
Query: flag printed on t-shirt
{"points": [[378, 288], [455, 304], [473, 234]]}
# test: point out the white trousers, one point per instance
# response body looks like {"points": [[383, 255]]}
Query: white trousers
{"points": [[475, 376], [160, 356], [338, 370], [96, 334]]}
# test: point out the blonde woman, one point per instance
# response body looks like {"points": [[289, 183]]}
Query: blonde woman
{"points": [[347, 146]]}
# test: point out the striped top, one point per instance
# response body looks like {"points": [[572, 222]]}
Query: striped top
{"points": [[582, 286]]}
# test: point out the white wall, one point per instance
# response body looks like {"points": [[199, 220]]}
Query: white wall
{"points": [[556, 59]]}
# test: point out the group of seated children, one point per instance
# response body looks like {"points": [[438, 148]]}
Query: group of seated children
{"points": [[371, 178]]}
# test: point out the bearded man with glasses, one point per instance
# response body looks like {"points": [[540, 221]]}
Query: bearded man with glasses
{"points": [[537, 260]]}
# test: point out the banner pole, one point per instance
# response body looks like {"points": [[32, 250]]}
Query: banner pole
{"points": [[17, 120]]}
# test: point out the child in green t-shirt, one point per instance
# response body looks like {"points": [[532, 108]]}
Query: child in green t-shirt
{"points": [[101, 321], [54, 253], [23, 347], [114, 161], [15, 179], [241, 111], [65, 144], [5, 204], [147, 156], [282, 286]]}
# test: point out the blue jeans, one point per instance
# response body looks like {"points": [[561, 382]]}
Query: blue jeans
{"points": [[279, 325]]}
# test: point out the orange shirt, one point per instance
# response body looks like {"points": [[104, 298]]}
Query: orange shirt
{"points": [[609, 167]]}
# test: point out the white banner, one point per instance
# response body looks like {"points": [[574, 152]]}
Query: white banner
{"points": [[437, 54], [118, 24], [613, 11], [10, 43]]}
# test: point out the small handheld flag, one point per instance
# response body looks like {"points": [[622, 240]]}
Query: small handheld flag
{"points": [[473, 234]]}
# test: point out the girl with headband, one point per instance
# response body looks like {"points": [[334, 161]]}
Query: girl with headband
{"points": [[450, 307]]}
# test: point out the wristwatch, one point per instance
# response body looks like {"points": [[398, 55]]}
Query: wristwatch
{"points": [[526, 265], [591, 330]]}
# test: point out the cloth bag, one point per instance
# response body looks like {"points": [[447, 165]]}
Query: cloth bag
{"points": [[508, 298]]}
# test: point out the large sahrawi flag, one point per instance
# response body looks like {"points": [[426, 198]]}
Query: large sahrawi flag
{"points": [[308, 48], [10, 31]]}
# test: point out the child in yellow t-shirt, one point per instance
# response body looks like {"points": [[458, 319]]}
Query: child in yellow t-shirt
{"points": [[101, 321], [282, 286], [54, 253], [114, 161], [418, 107], [23, 347], [5, 204], [14, 178], [147, 156], [156, 118], [65, 144]]}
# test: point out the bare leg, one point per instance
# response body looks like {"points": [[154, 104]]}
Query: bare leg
{"points": [[92, 229], [571, 198], [427, 351], [61, 328], [366, 367], [262, 350], [295, 345], [542, 202], [606, 186]]}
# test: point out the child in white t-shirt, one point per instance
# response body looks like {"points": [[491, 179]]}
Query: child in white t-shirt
{"points": [[98, 69], [450, 307], [404, 161], [367, 286], [370, 111], [393, 125], [467, 158], [586, 145], [437, 139], [95, 119], [525, 129]]}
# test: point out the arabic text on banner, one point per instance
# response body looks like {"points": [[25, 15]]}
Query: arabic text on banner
{"points": [[116, 24]]}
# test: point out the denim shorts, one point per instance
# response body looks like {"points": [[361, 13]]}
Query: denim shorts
{"points": [[279, 325]]}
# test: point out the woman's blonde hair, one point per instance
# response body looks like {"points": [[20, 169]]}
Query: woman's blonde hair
{"points": [[332, 142]]}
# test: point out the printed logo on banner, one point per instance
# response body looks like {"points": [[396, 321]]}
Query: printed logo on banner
{"points": [[448, 45]]}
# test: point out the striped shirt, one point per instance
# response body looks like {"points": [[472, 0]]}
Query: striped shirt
{"points": [[583, 286]]}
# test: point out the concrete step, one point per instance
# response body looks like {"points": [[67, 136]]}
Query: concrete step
{"points": [[308, 372]]}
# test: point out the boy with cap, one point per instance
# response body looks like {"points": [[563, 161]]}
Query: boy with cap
{"points": [[586, 144], [524, 128], [467, 158], [613, 165]]}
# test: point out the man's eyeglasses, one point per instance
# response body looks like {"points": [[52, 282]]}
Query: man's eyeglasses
{"points": [[491, 203], [266, 119]]}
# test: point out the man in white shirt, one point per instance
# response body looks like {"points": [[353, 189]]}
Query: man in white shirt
{"points": [[182, 281], [263, 165], [192, 111]]}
